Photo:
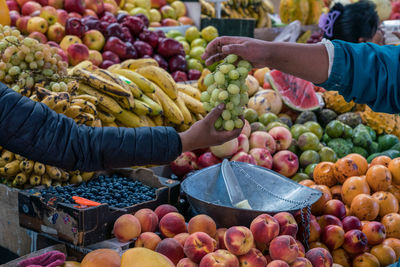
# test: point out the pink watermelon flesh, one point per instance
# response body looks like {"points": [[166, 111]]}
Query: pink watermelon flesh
{"points": [[297, 93]]}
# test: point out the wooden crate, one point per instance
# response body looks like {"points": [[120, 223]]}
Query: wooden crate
{"points": [[83, 227]]}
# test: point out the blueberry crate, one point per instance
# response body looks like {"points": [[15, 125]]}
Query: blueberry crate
{"points": [[85, 226]]}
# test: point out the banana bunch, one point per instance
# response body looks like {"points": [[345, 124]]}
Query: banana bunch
{"points": [[17, 171]]}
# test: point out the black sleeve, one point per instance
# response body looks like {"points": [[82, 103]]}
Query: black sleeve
{"points": [[34, 131]]}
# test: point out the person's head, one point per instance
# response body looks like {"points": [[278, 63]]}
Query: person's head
{"points": [[354, 23]]}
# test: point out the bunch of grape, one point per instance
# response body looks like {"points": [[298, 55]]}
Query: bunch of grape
{"points": [[227, 85], [24, 61]]}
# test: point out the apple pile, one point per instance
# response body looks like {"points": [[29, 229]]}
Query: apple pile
{"points": [[269, 240], [160, 12], [265, 149]]}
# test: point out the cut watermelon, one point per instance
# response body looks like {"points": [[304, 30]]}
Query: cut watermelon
{"points": [[297, 93]]}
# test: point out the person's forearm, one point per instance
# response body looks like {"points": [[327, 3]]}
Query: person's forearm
{"points": [[309, 62]]}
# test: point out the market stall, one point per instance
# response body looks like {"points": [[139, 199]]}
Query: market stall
{"points": [[312, 180]]}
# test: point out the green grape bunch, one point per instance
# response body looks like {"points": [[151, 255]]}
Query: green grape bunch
{"points": [[227, 85], [24, 62]]}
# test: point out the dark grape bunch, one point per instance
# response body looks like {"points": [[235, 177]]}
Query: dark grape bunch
{"points": [[316, 37], [116, 191]]}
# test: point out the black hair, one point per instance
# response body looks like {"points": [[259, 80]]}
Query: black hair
{"points": [[357, 20]]}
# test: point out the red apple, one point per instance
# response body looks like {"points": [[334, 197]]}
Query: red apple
{"points": [[106, 64], [286, 163], [184, 164], [116, 45], [74, 26], [179, 76], [62, 16], [89, 13], [110, 8], [22, 2], [158, 3], [149, 37], [96, 5], [29, 7], [168, 47], [143, 48], [50, 14], [207, 159], [351, 223], [37, 24], [74, 15], [22, 24], [56, 33], [186, 20], [14, 16], [43, 2], [134, 24], [243, 157], [111, 56], [12, 5], [161, 61], [38, 36], [262, 139], [262, 157], [58, 4], [282, 137], [77, 53], [77, 6], [194, 75]]}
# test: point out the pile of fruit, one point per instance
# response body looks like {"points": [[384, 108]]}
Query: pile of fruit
{"points": [[268, 240], [306, 11]]}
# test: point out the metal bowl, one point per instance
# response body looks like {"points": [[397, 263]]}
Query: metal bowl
{"points": [[266, 191]]}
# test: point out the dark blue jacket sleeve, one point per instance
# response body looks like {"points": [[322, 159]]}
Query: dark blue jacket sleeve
{"points": [[368, 74], [36, 132]]}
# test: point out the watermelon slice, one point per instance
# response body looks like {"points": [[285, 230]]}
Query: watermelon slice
{"points": [[297, 93]]}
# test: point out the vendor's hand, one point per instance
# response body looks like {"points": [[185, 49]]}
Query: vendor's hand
{"points": [[203, 134], [249, 49]]}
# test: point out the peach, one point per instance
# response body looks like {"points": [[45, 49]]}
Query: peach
{"points": [[277, 263], [394, 243], [220, 238], [365, 259], [77, 53], [238, 240], [340, 256], [163, 210], [148, 220], [302, 250], [244, 157], [333, 236], [285, 163], [285, 248], [186, 262], [282, 137], [262, 157], [126, 228], [287, 224], [253, 258], [384, 254], [172, 249], [139, 257], [319, 257], [391, 222], [318, 244], [148, 240], [262, 140], [197, 245], [101, 258], [336, 192], [335, 207], [350, 223], [172, 224], [315, 230], [202, 223], [375, 232], [326, 220], [301, 262], [355, 242], [219, 258], [264, 228], [181, 238]]}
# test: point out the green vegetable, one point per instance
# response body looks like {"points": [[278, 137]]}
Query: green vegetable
{"points": [[373, 148], [361, 151], [387, 141], [372, 133], [341, 147]]}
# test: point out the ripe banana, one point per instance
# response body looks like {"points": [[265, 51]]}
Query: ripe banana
{"points": [[50, 101], [126, 102], [183, 127], [53, 172], [90, 98], [199, 116], [148, 120], [110, 124], [27, 166], [134, 64], [154, 98], [187, 118], [130, 119], [19, 157], [10, 169], [21, 178], [64, 176], [104, 100], [132, 88], [63, 96], [73, 111], [161, 78], [39, 168], [141, 108], [75, 179], [155, 107], [35, 180], [42, 92], [86, 176], [86, 64], [193, 104], [96, 123], [114, 67], [35, 98], [84, 118], [189, 90], [101, 84], [61, 106], [171, 110], [105, 116], [87, 106], [7, 156], [158, 120], [46, 180], [144, 84]]}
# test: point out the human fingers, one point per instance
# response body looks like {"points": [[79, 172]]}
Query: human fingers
{"points": [[225, 136], [214, 114], [215, 58], [214, 47]]}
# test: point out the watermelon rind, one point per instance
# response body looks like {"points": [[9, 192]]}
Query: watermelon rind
{"points": [[317, 101]]}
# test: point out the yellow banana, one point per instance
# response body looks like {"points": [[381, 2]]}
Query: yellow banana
{"points": [[193, 104], [158, 120], [100, 83], [11, 168], [189, 90], [61, 106], [35, 180], [132, 88], [200, 82], [7, 156], [75, 179], [187, 118], [56, 183], [73, 111], [90, 98], [46, 180], [21, 178], [39, 168], [84, 118], [126, 102], [161, 78], [64, 175], [171, 110], [113, 67], [35, 98], [130, 119], [19, 157], [134, 64], [199, 116], [155, 107], [183, 127], [50, 101], [86, 64], [105, 116], [154, 98], [104, 100], [53, 172], [87, 106], [144, 84], [141, 108], [96, 123], [27, 166], [148, 120], [43, 92], [86, 176], [110, 124]]}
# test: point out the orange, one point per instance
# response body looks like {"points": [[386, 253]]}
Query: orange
{"points": [[324, 174], [391, 222], [353, 187], [395, 190], [365, 207], [387, 203], [394, 168], [361, 162], [345, 168], [381, 160], [379, 178]]}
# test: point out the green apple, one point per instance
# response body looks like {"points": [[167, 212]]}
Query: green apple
{"points": [[139, 10], [209, 33], [192, 33], [186, 46], [194, 64], [198, 42], [180, 38], [197, 52], [173, 34]]}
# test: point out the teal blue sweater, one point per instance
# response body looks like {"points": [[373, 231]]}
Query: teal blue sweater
{"points": [[368, 74]]}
